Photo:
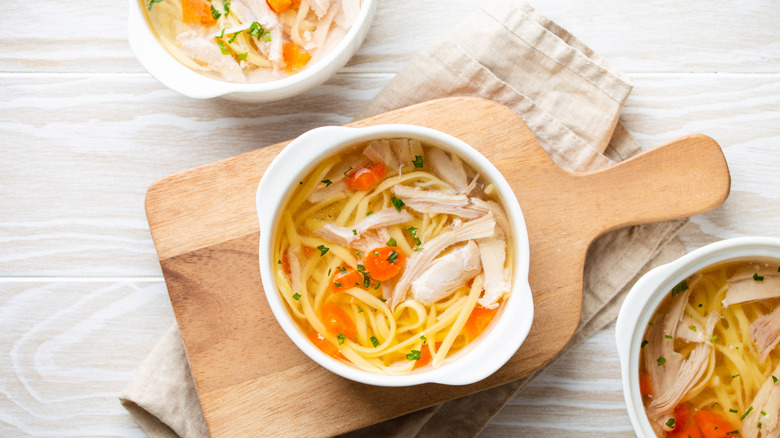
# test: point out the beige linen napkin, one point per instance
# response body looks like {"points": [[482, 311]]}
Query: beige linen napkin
{"points": [[571, 100]]}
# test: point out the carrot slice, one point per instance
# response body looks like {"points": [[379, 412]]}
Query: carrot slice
{"points": [[196, 11], [279, 5], [345, 278], [384, 263], [365, 177], [320, 342], [713, 425], [645, 384], [478, 320], [295, 58], [425, 355], [337, 321]]}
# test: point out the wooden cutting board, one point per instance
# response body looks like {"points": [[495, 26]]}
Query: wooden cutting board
{"points": [[253, 381]]}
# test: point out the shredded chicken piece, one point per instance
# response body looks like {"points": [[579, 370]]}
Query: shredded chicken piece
{"points": [[765, 333], [202, 50], [767, 401], [436, 201], [320, 7], [482, 227], [447, 273], [379, 151], [335, 189], [270, 22], [744, 287], [493, 253], [690, 371], [449, 168], [347, 235]]}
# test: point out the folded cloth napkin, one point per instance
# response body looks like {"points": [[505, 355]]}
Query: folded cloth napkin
{"points": [[571, 99]]}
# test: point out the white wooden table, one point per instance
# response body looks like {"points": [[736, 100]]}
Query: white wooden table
{"points": [[84, 130]]}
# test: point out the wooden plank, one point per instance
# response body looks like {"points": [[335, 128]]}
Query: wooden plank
{"points": [[206, 234]]}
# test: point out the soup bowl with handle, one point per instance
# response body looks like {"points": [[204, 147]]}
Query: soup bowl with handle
{"points": [[497, 344], [648, 292], [165, 68]]}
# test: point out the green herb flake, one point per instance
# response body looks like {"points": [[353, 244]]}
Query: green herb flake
{"points": [[661, 360], [758, 277], [670, 423], [714, 338], [383, 300], [359, 254], [735, 376], [297, 296], [341, 338], [337, 284], [377, 287], [712, 406], [424, 339], [393, 257], [323, 250], [763, 413], [749, 410], [733, 432], [374, 341], [221, 34], [669, 336], [413, 232], [645, 342], [397, 203], [223, 49], [329, 272], [226, 4], [151, 3], [418, 161], [392, 242], [369, 212], [758, 425], [327, 182], [354, 232], [255, 30], [680, 287], [693, 327], [418, 249], [360, 309], [774, 379], [701, 305], [347, 171], [733, 410], [233, 38], [267, 36], [278, 262], [214, 12], [242, 56], [414, 355], [361, 269], [366, 281]]}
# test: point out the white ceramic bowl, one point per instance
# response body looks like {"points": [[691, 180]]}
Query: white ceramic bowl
{"points": [[174, 75], [479, 360], [650, 290]]}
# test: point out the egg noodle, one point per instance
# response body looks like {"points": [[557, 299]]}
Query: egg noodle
{"points": [[386, 341]]}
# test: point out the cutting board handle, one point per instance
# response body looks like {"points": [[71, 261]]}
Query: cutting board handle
{"points": [[683, 177]]}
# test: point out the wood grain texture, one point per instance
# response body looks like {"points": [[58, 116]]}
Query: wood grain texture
{"points": [[203, 222], [85, 131]]}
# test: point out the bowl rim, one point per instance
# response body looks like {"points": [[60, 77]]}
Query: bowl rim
{"points": [[648, 292], [506, 333], [173, 74]]}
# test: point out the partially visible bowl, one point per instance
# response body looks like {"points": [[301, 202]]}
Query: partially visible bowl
{"points": [[174, 75], [648, 292], [474, 363]]}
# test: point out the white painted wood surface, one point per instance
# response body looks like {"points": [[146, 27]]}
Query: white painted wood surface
{"points": [[84, 131]]}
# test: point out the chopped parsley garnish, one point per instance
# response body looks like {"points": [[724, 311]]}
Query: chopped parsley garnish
{"points": [[424, 339], [366, 281], [714, 404], [360, 309], [297, 296], [226, 3], [329, 272], [680, 287], [749, 410], [670, 423], [377, 286], [650, 323], [341, 338], [359, 254], [418, 161], [693, 327], [661, 360], [337, 283], [392, 242], [255, 30], [733, 410], [393, 257], [758, 277], [397, 203], [242, 56], [774, 379], [221, 34], [347, 171], [414, 355], [354, 232], [763, 413], [735, 376], [278, 262], [418, 249], [267, 36], [323, 250], [643, 344], [383, 300], [233, 38], [369, 212], [223, 49], [327, 182], [712, 339], [669, 336], [374, 341], [151, 3], [214, 12], [413, 232], [362, 269], [733, 432], [701, 305]]}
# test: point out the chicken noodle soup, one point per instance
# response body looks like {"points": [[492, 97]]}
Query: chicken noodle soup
{"points": [[393, 255], [710, 360], [250, 40]]}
